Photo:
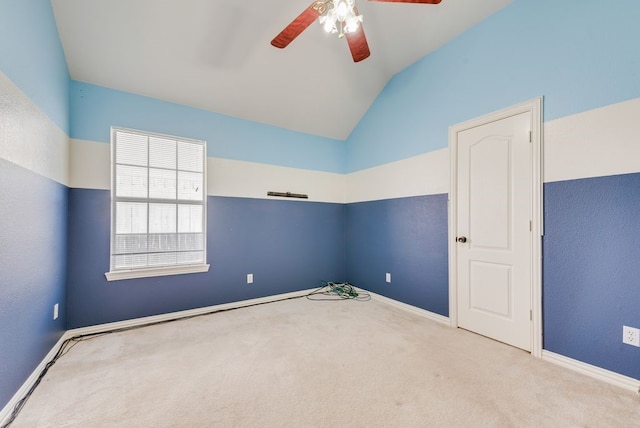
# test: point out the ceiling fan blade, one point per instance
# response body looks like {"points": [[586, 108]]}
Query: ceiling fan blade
{"points": [[409, 1], [297, 26], [358, 45]]}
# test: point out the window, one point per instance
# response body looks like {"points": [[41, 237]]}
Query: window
{"points": [[158, 205]]}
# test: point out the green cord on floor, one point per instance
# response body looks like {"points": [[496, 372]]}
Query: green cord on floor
{"points": [[338, 291]]}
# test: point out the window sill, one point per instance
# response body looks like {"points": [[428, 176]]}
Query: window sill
{"points": [[148, 273]]}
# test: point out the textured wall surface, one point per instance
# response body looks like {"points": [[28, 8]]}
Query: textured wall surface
{"points": [[406, 237], [579, 54], [589, 81], [33, 216], [90, 168], [95, 109], [28, 137], [592, 270], [31, 56], [34, 95], [287, 245]]}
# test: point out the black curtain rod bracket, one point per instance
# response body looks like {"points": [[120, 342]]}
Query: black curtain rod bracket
{"points": [[288, 195]]}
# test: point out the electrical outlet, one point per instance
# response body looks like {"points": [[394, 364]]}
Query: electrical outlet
{"points": [[631, 336], [55, 311], [249, 278], [388, 277]]}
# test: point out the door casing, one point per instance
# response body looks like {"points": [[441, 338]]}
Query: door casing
{"points": [[534, 108]]}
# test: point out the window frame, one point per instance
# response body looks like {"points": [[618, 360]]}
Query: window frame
{"points": [[155, 271]]}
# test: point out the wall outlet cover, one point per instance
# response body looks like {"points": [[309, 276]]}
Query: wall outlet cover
{"points": [[631, 336], [249, 278], [388, 277]]}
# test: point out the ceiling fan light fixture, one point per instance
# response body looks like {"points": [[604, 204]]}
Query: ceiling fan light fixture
{"points": [[351, 25], [328, 24], [335, 16], [340, 16], [342, 10]]}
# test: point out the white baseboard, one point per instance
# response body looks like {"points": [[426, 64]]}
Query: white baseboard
{"points": [[413, 309], [569, 363], [8, 409], [100, 328], [593, 371]]}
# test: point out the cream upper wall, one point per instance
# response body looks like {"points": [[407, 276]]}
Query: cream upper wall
{"points": [[91, 168], [29, 138], [253, 180], [426, 174], [89, 165], [599, 142]]}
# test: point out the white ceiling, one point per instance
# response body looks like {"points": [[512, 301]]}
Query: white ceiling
{"points": [[216, 54]]}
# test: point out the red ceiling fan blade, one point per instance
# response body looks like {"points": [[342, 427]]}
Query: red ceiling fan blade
{"points": [[358, 44], [297, 26], [409, 1]]}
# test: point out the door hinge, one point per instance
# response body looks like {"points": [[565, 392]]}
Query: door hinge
{"points": [[530, 226], [530, 315], [530, 137]]}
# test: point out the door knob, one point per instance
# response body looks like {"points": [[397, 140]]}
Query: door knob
{"points": [[462, 239]]}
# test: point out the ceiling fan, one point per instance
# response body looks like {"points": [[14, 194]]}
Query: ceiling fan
{"points": [[336, 16]]}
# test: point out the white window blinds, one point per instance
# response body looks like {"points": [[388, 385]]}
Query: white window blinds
{"points": [[158, 201]]}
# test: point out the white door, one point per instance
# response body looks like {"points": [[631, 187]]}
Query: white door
{"points": [[493, 230]]}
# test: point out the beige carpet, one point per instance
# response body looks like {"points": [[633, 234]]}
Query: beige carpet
{"points": [[300, 363]]}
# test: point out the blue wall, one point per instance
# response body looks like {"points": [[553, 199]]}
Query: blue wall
{"points": [[579, 54], [31, 56], [406, 237], [32, 271], [94, 109], [592, 270], [33, 211], [287, 245]]}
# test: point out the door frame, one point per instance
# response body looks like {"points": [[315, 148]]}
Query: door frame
{"points": [[534, 108]]}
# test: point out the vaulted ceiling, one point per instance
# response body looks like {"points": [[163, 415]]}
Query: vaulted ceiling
{"points": [[216, 54]]}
